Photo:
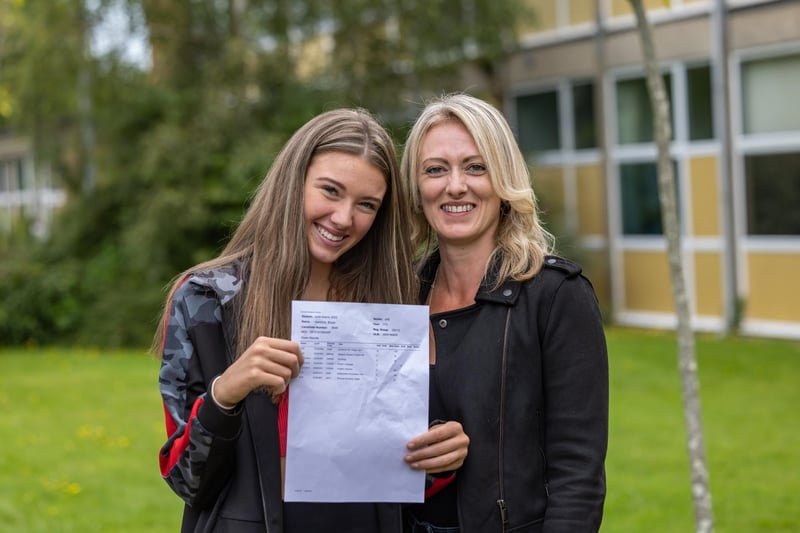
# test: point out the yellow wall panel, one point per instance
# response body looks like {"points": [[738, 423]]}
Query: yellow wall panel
{"points": [[705, 196], [623, 7], [591, 200], [540, 15], [581, 11], [620, 7], [647, 283], [774, 287], [708, 283], [548, 184], [596, 268]]}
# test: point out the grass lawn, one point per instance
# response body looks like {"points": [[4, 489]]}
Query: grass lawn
{"points": [[79, 438], [750, 400], [80, 431]]}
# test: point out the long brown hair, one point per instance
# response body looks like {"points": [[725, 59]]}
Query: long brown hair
{"points": [[271, 240]]}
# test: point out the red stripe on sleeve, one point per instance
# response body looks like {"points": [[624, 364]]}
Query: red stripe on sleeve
{"points": [[180, 444], [283, 420], [438, 484], [172, 427]]}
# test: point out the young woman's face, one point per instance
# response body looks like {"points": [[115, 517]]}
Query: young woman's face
{"points": [[455, 190], [342, 195]]}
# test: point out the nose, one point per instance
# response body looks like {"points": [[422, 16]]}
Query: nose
{"points": [[342, 215], [456, 183]]}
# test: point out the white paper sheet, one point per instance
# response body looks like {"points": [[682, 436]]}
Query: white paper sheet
{"points": [[361, 395]]}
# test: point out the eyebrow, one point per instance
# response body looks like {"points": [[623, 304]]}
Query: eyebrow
{"points": [[443, 160], [342, 186]]}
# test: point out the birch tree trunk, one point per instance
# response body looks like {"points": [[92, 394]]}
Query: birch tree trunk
{"points": [[687, 362]]}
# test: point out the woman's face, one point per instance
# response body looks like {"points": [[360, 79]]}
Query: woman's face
{"points": [[456, 193], [342, 195]]}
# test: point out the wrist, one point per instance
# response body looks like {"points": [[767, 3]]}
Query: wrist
{"points": [[223, 406]]}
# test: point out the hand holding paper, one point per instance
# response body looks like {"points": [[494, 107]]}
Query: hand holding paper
{"points": [[442, 449], [361, 396]]}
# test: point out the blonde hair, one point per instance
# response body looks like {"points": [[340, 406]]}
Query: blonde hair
{"points": [[271, 240], [521, 242]]}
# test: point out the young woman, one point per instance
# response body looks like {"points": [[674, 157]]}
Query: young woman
{"points": [[518, 355], [329, 222]]}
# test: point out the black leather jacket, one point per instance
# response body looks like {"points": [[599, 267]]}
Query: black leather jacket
{"points": [[525, 371]]}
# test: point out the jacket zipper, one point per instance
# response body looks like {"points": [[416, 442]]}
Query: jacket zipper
{"points": [[501, 502], [544, 471]]}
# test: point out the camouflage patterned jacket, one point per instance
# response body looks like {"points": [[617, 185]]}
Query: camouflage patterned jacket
{"points": [[225, 466]]}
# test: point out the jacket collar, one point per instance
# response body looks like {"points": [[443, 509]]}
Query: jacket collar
{"points": [[507, 293]]}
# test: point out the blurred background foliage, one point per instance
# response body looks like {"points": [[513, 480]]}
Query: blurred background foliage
{"points": [[159, 156]]}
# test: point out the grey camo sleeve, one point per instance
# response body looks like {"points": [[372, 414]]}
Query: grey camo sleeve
{"points": [[201, 438]]}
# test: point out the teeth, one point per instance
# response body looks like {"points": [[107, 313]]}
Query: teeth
{"points": [[458, 208], [328, 235]]}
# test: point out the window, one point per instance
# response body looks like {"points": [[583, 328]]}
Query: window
{"points": [[5, 182], [773, 194], [641, 208], [537, 122], [769, 94], [701, 124], [583, 113], [634, 113], [12, 177]]}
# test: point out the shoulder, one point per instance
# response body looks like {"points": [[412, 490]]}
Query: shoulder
{"points": [[201, 295], [556, 276], [221, 284], [554, 264], [560, 287], [555, 272]]}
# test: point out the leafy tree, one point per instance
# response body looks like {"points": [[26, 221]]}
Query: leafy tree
{"points": [[160, 162]]}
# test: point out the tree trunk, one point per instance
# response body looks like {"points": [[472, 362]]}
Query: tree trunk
{"points": [[169, 26], [85, 106], [701, 494]]}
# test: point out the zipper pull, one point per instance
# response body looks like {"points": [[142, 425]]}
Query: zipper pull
{"points": [[503, 510]]}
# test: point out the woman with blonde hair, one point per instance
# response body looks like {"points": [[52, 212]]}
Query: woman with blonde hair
{"points": [[518, 355], [329, 222]]}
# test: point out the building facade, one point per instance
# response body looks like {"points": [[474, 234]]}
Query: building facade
{"points": [[577, 98], [27, 197]]}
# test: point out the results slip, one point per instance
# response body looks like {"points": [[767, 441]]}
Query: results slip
{"points": [[361, 395]]}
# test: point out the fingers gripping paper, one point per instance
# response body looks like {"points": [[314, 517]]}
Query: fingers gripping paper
{"points": [[361, 395]]}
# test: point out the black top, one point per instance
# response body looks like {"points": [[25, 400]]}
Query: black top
{"points": [[299, 517], [441, 509]]}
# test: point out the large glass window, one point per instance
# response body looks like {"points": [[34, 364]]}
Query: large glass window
{"points": [[769, 94], [701, 124], [641, 207], [634, 113], [537, 122], [773, 194], [583, 113]]}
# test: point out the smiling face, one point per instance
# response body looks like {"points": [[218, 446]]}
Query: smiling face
{"points": [[342, 195], [455, 190]]}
